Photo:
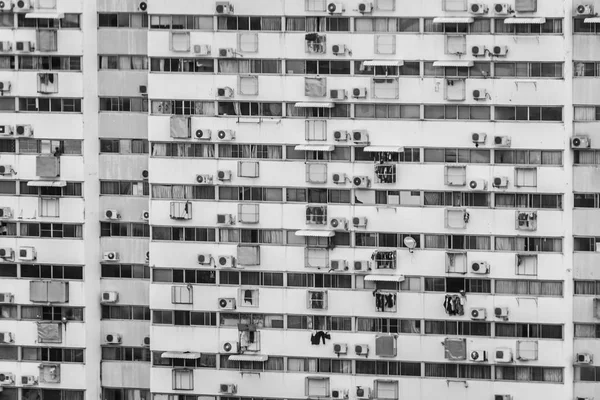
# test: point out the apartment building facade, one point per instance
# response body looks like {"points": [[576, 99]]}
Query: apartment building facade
{"points": [[289, 199]]}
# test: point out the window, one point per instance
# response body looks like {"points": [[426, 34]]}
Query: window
{"points": [[534, 157], [478, 70], [50, 146], [248, 66], [122, 20], [122, 62], [45, 104], [234, 23], [533, 244], [526, 177], [317, 24], [531, 113], [551, 26], [139, 313], [125, 188], [478, 26], [530, 374], [183, 379], [51, 313], [183, 234], [381, 24], [52, 354], [587, 331], [453, 112], [447, 155], [461, 328], [233, 108], [528, 70], [464, 371], [124, 229], [124, 104], [55, 272], [49, 63], [125, 354], [528, 330], [388, 325], [387, 111], [188, 22], [529, 200]]}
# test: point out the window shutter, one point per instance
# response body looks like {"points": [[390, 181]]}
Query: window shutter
{"points": [[385, 5], [49, 332], [455, 89], [525, 5], [47, 166], [527, 350], [248, 85], [316, 130], [316, 173], [456, 263], [456, 176], [248, 255], [456, 44], [182, 294], [526, 177], [248, 213], [314, 5], [454, 5], [180, 41], [386, 389], [248, 42], [180, 127], [49, 207], [58, 292], [385, 88], [47, 40], [385, 44], [38, 291], [183, 379], [316, 258], [248, 169], [317, 387]]}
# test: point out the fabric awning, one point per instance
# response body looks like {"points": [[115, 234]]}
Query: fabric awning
{"points": [[384, 278], [248, 357], [453, 20], [47, 183], [592, 20], [44, 15], [314, 147], [383, 63], [383, 149], [315, 233], [186, 355], [453, 63], [521, 21], [313, 105]]}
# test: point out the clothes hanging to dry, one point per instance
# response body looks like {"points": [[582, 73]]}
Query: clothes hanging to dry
{"points": [[384, 300], [454, 304], [316, 337]]}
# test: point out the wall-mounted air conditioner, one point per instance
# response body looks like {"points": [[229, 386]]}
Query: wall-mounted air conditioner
{"points": [[203, 134], [340, 348], [109, 297], [361, 181], [500, 181], [226, 135], [224, 175], [359, 92], [478, 314], [478, 355], [339, 179], [204, 259], [359, 222], [27, 253], [340, 136], [335, 8], [361, 349], [226, 303], [502, 141], [24, 130], [478, 184], [224, 8], [478, 138], [227, 388], [480, 267], [230, 347], [112, 338], [503, 355], [478, 8], [339, 224], [110, 256], [580, 142], [502, 9], [226, 261]]}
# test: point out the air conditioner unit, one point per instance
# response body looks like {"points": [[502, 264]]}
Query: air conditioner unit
{"points": [[145, 215], [226, 219], [365, 7], [7, 337], [503, 355], [145, 174], [6, 130], [111, 214], [502, 141], [226, 303], [335, 8], [479, 94], [226, 261], [359, 222], [339, 394], [228, 52], [478, 8], [340, 348], [146, 341], [110, 256], [204, 259], [499, 50], [143, 6], [204, 179], [338, 265], [6, 170], [478, 184], [6, 253], [5, 46], [339, 179], [501, 312], [360, 136], [226, 134], [339, 224], [580, 142], [340, 136], [223, 7], [7, 298], [230, 347], [24, 130], [6, 5], [7, 378], [478, 138], [29, 380], [109, 297], [22, 5], [478, 355], [24, 46], [478, 50], [224, 175], [27, 253], [584, 358], [502, 8], [502, 397], [203, 134], [361, 181], [362, 265], [585, 9], [361, 349], [363, 392], [112, 338], [143, 90], [478, 313], [226, 92], [338, 94], [6, 213], [4, 86], [227, 388], [202, 49], [338, 49], [500, 181], [359, 93], [480, 267]]}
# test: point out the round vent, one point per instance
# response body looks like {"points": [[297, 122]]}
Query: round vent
{"points": [[475, 266], [360, 392], [497, 181], [576, 142], [222, 303], [473, 184], [499, 354], [498, 140], [111, 256], [475, 136], [222, 260], [147, 340], [199, 133], [580, 357], [1, 85], [202, 258], [221, 92], [336, 177], [355, 221], [580, 9], [498, 310], [227, 347], [109, 338], [2, 4], [2, 252], [335, 223], [109, 214], [221, 174], [474, 8], [497, 49], [2, 169], [146, 214], [357, 136], [105, 296], [143, 6], [21, 4], [337, 348], [220, 8], [499, 7], [358, 349], [362, 7], [222, 52], [199, 179], [20, 128], [474, 355], [357, 181], [1, 212], [2, 377], [222, 135], [331, 7], [356, 92], [145, 173], [337, 135], [475, 313], [335, 48], [476, 93], [475, 49]]}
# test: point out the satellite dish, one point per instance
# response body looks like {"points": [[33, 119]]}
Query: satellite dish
{"points": [[410, 242]]}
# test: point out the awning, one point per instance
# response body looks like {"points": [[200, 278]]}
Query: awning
{"points": [[383, 63], [453, 20], [453, 63], [186, 355], [47, 183], [314, 105], [521, 21], [384, 278], [383, 149], [44, 15], [316, 233], [314, 147], [248, 357], [592, 20]]}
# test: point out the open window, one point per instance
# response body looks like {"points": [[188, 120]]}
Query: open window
{"points": [[456, 218], [48, 292], [315, 87], [182, 294], [249, 337], [316, 215], [47, 83], [248, 169], [316, 173], [456, 263], [456, 44], [181, 210], [180, 127], [248, 85], [386, 346], [317, 386], [526, 264], [183, 379], [49, 373], [384, 259], [315, 43], [247, 42], [455, 175], [316, 299], [455, 89], [49, 332], [316, 130], [180, 41], [48, 166], [385, 44], [248, 255], [596, 308], [527, 350], [248, 297]]}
